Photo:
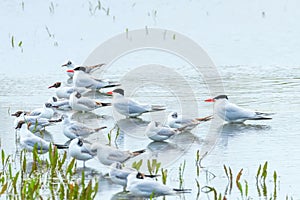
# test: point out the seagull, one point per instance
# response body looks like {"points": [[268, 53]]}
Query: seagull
{"points": [[233, 113], [178, 121], [139, 185], [158, 132], [62, 104], [28, 140], [37, 123], [118, 173], [108, 155], [80, 103], [129, 107], [45, 112], [87, 69], [83, 79], [66, 91], [80, 150], [73, 129]]}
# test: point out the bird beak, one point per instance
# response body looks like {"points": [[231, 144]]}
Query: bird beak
{"points": [[70, 70], [51, 86], [209, 100], [151, 176], [64, 65], [109, 93]]}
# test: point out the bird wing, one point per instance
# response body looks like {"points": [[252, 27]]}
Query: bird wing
{"points": [[234, 112], [148, 186], [118, 155], [86, 148], [87, 102], [164, 131]]}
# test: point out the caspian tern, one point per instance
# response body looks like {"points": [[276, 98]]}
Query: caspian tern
{"points": [[80, 103], [178, 121], [66, 91], [129, 107], [139, 185], [82, 79], [73, 129], [233, 113], [108, 155], [45, 112], [87, 69], [118, 173], [28, 140], [158, 132], [80, 150]]}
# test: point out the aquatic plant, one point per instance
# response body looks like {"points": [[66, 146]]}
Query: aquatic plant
{"points": [[52, 177]]}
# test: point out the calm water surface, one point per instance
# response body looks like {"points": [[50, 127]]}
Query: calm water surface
{"points": [[255, 72]]}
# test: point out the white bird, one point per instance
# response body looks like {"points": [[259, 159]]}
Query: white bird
{"points": [[73, 129], [38, 124], [66, 91], [87, 69], [80, 150], [129, 107], [28, 140], [80, 103], [139, 185], [62, 104], [108, 155], [45, 112], [158, 132], [178, 121], [83, 79], [233, 113], [118, 173]]}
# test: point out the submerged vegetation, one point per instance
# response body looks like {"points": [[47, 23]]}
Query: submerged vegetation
{"points": [[51, 178], [55, 177]]}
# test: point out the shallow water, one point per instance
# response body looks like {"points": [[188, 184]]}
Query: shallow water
{"points": [[260, 77]]}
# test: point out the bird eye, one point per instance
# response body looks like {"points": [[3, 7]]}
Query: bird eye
{"points": [[80, 143], [140, 176], [175, 115], [69, 63]]}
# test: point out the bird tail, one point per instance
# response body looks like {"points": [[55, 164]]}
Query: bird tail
{"points": [[204, 119], [182, 190], [112, 84], [55, 120], [136, 153], [95, 67], [61, 146], [98, 129], [262, 116], [157, 107], [102, 103]]}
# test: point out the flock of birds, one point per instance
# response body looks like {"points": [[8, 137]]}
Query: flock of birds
{"points": [[73, 98]]}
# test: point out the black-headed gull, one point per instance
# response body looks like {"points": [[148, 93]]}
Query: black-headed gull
{"points": [[65, 91], [73, 129], [28, 140], [60, 104], [108, 155], [81, 103], [83, 79], [130, 107], [81, 150], [119, 173], [233, 113], [139, 185], [158, 132], [45, 112], [88, 69], [175, 120]]}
